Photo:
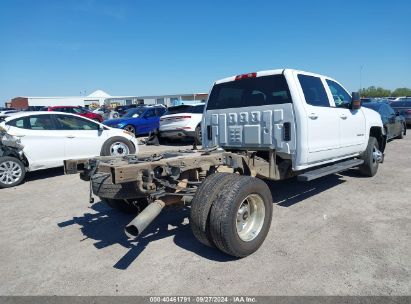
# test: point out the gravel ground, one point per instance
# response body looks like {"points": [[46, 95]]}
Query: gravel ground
{"points": [[339, 235]]}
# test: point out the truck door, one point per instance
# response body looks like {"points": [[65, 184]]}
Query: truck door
{"points": [[322, 120], [352, 122]]}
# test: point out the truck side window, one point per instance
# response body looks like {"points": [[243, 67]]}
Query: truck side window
{"points": [[341, 98], [314, 91]]}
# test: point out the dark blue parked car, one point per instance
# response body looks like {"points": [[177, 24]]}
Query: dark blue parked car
{"points": [[140, 121], [403, 106], [394, 123]]}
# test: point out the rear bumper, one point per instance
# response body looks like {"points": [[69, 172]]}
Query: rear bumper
{"points": [[177, 134]]}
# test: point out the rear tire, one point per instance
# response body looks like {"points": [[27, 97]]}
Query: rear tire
{"points": [[12, 171], [129, 206], [205, 196], [370, 166], [240, 218]]}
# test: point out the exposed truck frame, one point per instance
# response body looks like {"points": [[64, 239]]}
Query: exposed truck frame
{"points": [[231, 207], [175, 177]]}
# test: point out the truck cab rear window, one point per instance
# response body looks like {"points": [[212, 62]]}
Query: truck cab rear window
{"points": [[250, 92]]}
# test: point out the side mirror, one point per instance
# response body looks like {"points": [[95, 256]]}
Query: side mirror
{"points": [[100, 127], [355, 101]]}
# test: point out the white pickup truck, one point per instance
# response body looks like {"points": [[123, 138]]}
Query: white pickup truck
{"points": [[306, 118], [272, 125]]}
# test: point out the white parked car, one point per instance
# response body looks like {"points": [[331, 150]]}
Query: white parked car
{"points": [[5, 112], [106, 113], [49, 138], [182, 121]]}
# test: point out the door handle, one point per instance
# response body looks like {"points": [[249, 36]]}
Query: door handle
{"points": [[70, 136], [343, 116], [313, 116]]}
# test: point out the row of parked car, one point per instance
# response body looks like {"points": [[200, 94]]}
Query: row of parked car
{"points": [[395, 116], [401, 105], [173, 123], [44, 139], [178, 122], [34, 140]]}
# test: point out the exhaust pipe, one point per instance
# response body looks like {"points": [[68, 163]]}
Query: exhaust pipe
{"points": [[141, 221]]}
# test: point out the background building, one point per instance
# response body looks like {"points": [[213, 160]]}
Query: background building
{"points": [[100, 97], [167, 100]]}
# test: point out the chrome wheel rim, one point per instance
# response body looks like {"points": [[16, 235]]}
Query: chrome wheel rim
{"points": [[250, 217], [10, 172], [119, 149], [130, 129], [376, 155]]}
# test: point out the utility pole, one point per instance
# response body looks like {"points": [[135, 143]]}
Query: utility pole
{"points": [[361, 77]]}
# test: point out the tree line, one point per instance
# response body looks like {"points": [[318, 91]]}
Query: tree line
{"points": [[373, 91]]}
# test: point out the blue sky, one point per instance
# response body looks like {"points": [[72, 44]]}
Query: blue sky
{"points": [[148, 47]]}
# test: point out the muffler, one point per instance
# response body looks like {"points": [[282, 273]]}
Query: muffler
{"points": [[141, 221]]}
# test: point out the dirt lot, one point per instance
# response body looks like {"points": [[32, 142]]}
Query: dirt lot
{"points": [[339, 235]]}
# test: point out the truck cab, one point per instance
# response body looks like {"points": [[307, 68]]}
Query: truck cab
{"points": [[307, 118]]}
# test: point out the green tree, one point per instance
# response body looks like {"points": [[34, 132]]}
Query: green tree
{"points": [[401, 92], [373, 92]]}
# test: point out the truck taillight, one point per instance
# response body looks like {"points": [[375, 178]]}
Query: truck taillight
{"points": [[209, 135], [245, 76], [287, 131]]}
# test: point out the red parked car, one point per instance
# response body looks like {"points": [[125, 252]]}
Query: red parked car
{"points": [[77, 110]]}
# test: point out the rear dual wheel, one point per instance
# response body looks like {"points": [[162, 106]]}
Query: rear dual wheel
{"points": [[232, 212]]}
